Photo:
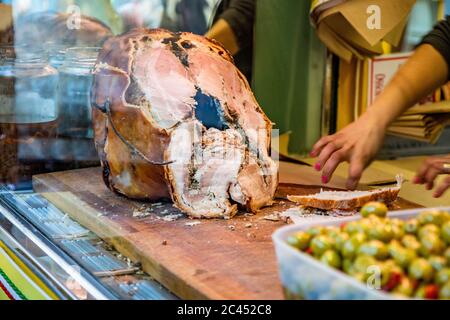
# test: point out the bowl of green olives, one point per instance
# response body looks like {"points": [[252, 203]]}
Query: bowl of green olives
{"points": [[376, 255]]}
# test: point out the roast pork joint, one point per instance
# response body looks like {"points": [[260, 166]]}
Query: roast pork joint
{"points": [[174, 118]]}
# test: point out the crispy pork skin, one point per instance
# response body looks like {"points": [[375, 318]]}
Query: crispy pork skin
{"points": [[174, 118]]}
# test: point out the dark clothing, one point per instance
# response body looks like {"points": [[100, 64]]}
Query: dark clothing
{"points": [[439, 38], [240, 15], [191, 16]]}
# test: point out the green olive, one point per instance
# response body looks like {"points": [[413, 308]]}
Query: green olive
{"points": [[359, 276], [447, 256], [347, 266], [420, 292], [444, 293], [445, 216], [303, 240], [374, 248], [398, 231], [437, 262], [350, 246], [393, 245], [340, 240], [411, 242], [363, 262], [375, 219], [320, 244], [292, 241], [354, 227], [393, 266], [397, 222], [351, 227], [431, 245], [360, 237], [411, 226], [404, 288], [315, 231], [331, 258], [428, 229], [299, 240], [403, 256], [382, 232], [375, 269], [378, 209], [445, 232], [365, 225], [442, 277], [421, 269], [332, 231], [349, 249], [435, 217]]}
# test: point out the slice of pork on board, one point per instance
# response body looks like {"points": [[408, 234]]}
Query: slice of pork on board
{"points": [[348, 200], [174, 118]]}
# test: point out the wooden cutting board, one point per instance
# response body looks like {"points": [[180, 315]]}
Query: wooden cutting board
{"points": [[214, 259]]}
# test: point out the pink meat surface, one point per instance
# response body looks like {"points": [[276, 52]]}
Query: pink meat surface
{"points": [[175, 118]]}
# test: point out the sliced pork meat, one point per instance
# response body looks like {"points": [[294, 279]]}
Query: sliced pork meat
{"points": [[174, 118]]}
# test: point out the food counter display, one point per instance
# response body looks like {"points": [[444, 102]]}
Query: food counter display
{"points": [[47, 255], [77, 244], [402, 256]]}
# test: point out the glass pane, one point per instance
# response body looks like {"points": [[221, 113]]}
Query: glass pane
{"points": [[49, 54]]}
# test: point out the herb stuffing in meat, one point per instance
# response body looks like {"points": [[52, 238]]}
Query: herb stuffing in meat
{"points": [[175, 118]]}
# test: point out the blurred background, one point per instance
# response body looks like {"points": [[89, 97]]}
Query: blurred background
{"points": [[123, 15], [308, 64], [307, 86], [48, 50]]}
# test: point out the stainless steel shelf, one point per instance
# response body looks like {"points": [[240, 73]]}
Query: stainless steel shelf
{"points": [[74, 262]]}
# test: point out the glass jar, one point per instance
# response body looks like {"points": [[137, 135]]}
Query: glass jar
{"points": [[76, 147], [75, 81], [56, 54], [28, 114]]}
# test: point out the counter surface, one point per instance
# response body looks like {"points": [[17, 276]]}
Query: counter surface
{"points": [[213, 259]]}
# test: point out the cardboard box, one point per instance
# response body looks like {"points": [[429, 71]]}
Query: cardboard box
{"points": [[343, 26], [381, 71]]}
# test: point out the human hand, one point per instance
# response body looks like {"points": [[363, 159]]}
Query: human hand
{"points": [[358, 143], [430, 169]]}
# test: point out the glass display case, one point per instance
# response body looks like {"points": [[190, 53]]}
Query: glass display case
{"points": [[120, 125], [48, 53]]}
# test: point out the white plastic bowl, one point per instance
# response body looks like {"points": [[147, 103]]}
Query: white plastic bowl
{"points": [[304, 277]]}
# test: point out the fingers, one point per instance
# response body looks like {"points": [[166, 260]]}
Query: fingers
{"points": [[325, 154], [431, 175], [430, 169], [440, 190], [419, 179], [357, 165], [317, 148], [428, 172], [332, 163]]}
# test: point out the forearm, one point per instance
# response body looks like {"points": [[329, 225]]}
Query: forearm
{"points": [[222, 32], [425, 71], [234, 29]]}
